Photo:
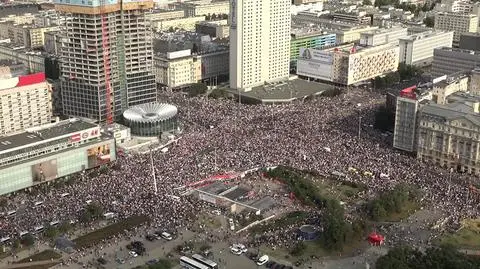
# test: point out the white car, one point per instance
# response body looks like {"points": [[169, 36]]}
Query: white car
{"points": [[166, 236], [133, 254], [235, 250], [262, 260], [232, 225]]}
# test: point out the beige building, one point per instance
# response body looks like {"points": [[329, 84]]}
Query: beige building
{"points": [[182, 68], [177, 69], [449, 134], [187, 24], [348, 64], [418, 49], [25, 102], [459, 23], [27, 18], [204, 7], [474, 86], [165, 15], [27, 35]]}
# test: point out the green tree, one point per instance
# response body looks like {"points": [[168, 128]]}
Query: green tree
{"points": [[171, 29], [384, 119], [429, 21], [161, 264], [367, 2], [299, 249], [208, 17], [335, 229], [197, 89], [27, 240], [95, 210], [214, 16], [379, 83], [51, 232], [64, 227]]}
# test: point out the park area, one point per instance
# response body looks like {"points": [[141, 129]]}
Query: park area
{"points": [[467, 237]]}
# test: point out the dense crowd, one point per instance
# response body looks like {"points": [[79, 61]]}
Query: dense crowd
{"points": [[223, 135]]}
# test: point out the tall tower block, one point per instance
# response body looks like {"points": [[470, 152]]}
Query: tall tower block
{"points": [[106, 57], [259, 42]]}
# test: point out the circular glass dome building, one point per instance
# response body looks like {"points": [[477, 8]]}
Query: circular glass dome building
{"points": [[151, 119]]}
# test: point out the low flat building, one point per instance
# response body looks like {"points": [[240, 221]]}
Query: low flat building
{"points": [[418, 49], [353, 17], [447, 61], [52, 151], [25, 101], [162, 15], [34, 61], [215, 29], [187, 24], [383, 36], [348, 64]]}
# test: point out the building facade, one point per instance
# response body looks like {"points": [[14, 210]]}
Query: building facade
{"points": [[177, 69], [449, 136], [47, 152], [348, 64], [34, 61], [418, 49], [187, 24], [447, 61], [470, 41], [27, 35], [259, 42], [215, 29], [459, 23], [204, 7], [25, 101], [107, 58], [308, 39]]}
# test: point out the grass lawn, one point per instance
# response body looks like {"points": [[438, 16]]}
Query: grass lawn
{"points": [[466, 238], [409, 208], [42, 266], [109, 231], [42, 256], [209, 222]]}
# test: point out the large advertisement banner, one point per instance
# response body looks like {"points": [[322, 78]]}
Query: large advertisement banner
{"points": [[315, 64], [44, 171], [98, 155]]}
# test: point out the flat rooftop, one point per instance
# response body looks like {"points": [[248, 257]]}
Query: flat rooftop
{"points": [[39, 134], [283, 92]]}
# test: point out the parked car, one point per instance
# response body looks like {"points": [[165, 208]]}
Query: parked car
{"points": [[262, 260], [151, 237]]}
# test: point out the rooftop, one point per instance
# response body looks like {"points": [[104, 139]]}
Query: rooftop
{"points": [[45, 132], [452, 111], [472, 52], [423, 35], [307, 32]]}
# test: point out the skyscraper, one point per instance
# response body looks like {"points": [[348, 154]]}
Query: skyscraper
{"points": [[106, 57], [259, 42]]}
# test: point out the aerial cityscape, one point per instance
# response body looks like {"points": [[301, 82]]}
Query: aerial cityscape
{"points": [[240, 134]]}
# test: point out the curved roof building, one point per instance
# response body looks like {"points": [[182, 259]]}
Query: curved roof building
{"points": [[151, 119]]}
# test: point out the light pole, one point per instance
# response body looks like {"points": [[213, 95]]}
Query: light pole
{"points": [[153, 173], [359, 121]]}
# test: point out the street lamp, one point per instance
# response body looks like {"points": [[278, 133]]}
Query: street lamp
{"points": [[359, 120]]}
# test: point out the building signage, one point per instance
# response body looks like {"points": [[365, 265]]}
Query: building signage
{"points": [[87, 134], [233, 14], [316, 55]]}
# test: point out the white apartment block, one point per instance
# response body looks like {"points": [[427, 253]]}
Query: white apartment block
{"points": [[458, 6], [383, 36], [25, 101], [418, 49], [259, 42], [457, 22]]}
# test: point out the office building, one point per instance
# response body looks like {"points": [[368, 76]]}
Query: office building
{"points": [[107, 58], [382, 36], [42, 154], [29, 36], [470, 41], [353, 17], [308, 38], [161, 15], [459, 23], [348, 64], [447, 61], [25, 101], [259, 42], [183, 24], [418, 49]]}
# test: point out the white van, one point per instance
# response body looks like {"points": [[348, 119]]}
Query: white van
{"points": [[64, 194], [166, 236], [262, 260], [235, 250], [109, 215], [11, 213], [39, 203]]}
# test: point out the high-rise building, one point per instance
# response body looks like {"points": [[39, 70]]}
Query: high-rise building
{"points": [[106, 56], [259, 42], [418, 49]]}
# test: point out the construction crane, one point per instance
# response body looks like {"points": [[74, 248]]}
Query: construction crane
{"points": [[106, 62]]}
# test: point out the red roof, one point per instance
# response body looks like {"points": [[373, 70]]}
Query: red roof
{"points": [[31, 79]]}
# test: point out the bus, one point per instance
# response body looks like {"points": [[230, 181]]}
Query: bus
{"points": [[188, 263], [209, 263]]}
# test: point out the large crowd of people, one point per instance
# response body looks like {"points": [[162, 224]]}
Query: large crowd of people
{"points": [[320, 134]]}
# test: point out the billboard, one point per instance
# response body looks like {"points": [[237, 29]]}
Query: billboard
{"points": [[315, 64], [44, 171], [178, 54], [98, 155]]}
